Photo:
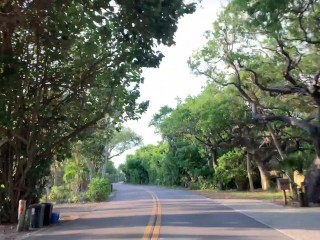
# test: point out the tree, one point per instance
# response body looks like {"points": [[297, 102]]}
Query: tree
{"points": [[118, 144], [75, 171], [100, 145], [150, 158], [159, 117], [208, 119], [268, 51], [180, 163], [191, 164], [65, 65], [134, 171]]}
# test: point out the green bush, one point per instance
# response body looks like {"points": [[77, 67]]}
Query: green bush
{"points": [[232, 169], [194, 186], [98, 189], [205, 184], [78, 197], [59, 194]]}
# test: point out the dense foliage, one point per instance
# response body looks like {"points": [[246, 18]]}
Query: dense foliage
{"points": [[182, 164], [99, 189], [259, 113], [65, 65], [73, 69], [269, 52], [232, 169], [89, 160]]}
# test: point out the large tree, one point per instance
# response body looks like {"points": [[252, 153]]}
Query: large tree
{"points": [[118, 144], [208, 118], [220, 120], [269, 51], [64, 65]]}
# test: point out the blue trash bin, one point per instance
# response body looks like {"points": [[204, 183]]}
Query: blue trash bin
{"points": [[55, 218]]}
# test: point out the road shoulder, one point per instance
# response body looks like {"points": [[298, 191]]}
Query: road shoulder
{"points": [[69, 212], [297, 223]]}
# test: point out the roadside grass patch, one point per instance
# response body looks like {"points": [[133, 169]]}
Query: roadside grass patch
{"points": [[258, 195]]}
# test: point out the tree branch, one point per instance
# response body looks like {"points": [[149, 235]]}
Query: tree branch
{"points": [[213, 79], [278, 91], [88, 124], [3, 141], [290, 120]]}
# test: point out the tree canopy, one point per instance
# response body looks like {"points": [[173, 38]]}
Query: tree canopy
{"points": [[259, 113], [268, 51], [64, 65]]}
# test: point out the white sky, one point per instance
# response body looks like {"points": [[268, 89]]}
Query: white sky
{"points": [[173, 79]]}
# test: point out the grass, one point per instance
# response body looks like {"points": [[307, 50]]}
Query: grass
{"points": [[259, 195]]}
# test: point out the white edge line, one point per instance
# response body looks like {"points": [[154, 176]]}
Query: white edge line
{"points": [[239, 211]]}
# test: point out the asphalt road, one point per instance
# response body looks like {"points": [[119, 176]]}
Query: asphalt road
{"points": [[152, 213]]}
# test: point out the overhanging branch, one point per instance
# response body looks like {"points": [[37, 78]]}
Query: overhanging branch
{"points": [[290, 120]]}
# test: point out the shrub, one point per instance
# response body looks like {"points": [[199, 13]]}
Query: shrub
{"points": [[205, 184], [194, 186], [59, 194], [98, 189], [80, 197], [232, 169]]}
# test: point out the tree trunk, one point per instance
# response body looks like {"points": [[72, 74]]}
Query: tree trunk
{"points": [[264, 174], [313, 175], [293, 186], [214, 160], [249, 173], [105, 162], [214, 163], [104, 169], [16, 185], [275, 141], [10, 188], [313, 182], [210, 165], [90, 168]]}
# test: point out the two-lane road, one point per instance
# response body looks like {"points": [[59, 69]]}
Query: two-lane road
{"points": [[152, 213]]}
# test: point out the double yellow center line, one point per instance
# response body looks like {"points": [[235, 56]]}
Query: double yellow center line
{"points": [[152, 231]]}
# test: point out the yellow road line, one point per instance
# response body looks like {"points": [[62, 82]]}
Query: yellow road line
{"points": [[150, 225], [152, 230], [156, 230]]}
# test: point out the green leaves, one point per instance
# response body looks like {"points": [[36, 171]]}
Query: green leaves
{"points": [[160, 16], [208, 118], [266, 14], [232, 169], [65, 65], [262, 48], [98, 190]]}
